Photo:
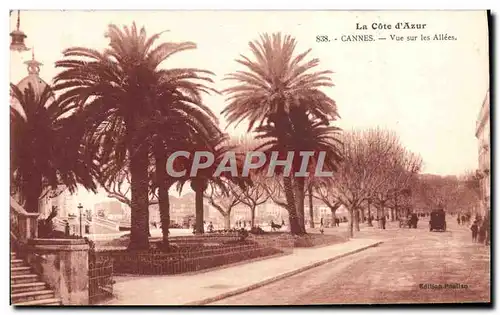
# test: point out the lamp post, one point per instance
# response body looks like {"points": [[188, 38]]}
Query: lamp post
{"points": [[80, 207]]}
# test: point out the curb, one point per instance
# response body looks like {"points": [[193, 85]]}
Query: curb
{"points": [[279, 277]]}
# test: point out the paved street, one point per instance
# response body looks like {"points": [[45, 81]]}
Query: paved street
{"points": [[393, 272]]}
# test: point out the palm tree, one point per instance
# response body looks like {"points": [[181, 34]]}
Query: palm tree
{"points": [[170, 131], [217, 145], [120, 89], [302, 134], [45, 146], [274, 84]]}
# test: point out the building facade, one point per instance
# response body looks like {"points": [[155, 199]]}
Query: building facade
{"points": [[483, 137]]}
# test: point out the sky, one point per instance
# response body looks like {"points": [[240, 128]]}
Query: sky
{"points": [[428, 92]]}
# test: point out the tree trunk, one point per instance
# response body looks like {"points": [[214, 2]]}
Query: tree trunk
{"points": [[252, 213], [356, 219], [379, 217], [139, 232], [381, 213], [396, 210], [199, 185], [163, 197], [334, 216], [292, 212], [200, 229], [32, 196], [299, 194], [164, 200], [227, 221], [350, 226], [311, 209], [369, 215]]}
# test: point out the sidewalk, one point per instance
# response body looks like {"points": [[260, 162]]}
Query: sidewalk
{"points": [[203, 288]]}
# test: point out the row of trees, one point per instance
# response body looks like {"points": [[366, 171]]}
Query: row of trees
{"points": [[376, 177], [118, 111]]}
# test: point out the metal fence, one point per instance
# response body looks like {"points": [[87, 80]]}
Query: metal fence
{"points": [[100, 277], [185, 259]]}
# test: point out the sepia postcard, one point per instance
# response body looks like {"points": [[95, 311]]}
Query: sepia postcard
{"points": [[249, 158]]}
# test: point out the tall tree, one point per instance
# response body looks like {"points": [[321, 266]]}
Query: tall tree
{"points": [[302, 135], [220, 148], [45, 150], [254, 195], [324, 190], [120, 89], [224, 199], [275, 84]]}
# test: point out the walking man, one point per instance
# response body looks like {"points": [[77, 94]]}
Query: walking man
{"points": [[383, 222], [474, 228]]}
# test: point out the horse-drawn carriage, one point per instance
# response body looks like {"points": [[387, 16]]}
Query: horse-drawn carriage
{"points": [[409, 221]]}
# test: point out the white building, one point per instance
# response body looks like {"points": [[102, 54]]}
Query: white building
{"points": [[483, 136]]}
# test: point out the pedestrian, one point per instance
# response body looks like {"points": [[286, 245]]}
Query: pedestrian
{"points": [[487, 228], [458, 219], [474, 228], [483, 226], [66, 228], [321, 226], [383, 220]]}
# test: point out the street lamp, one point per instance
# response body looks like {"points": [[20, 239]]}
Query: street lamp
{"points": [[80, 207]]}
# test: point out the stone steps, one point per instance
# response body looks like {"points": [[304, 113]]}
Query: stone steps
{"points": [[31, 296], [23, 279], [16, 263], [52, 301], [26, 288], [23, 270]]}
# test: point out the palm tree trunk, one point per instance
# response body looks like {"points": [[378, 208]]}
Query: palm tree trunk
{"points": [[200, 229], [33, 194], [299, 185], [164, 200], [139, 200], [163, 197], [311, 210], [292, 212], [199, 186]]}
